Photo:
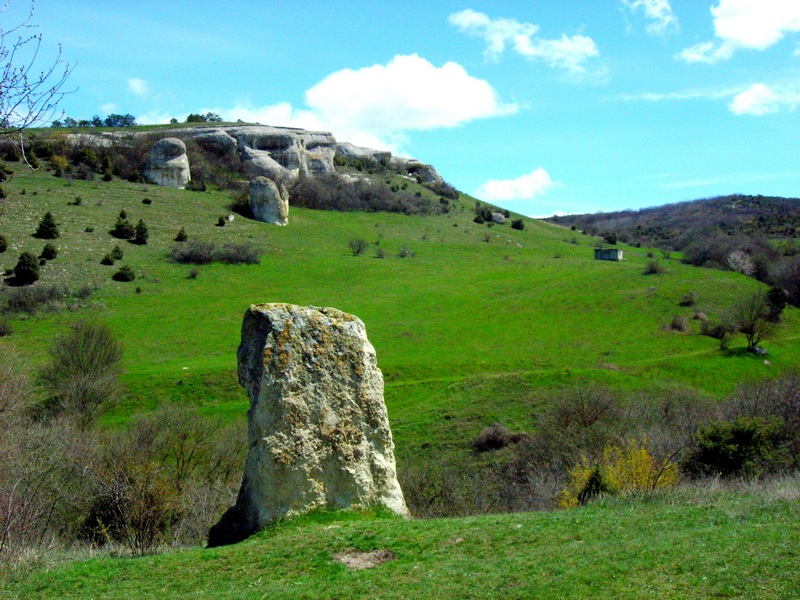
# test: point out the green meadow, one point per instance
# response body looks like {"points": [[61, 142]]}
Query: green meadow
{"points": [[476, 325]]}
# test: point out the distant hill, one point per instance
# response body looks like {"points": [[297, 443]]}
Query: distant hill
{"points": [[675, 225]]}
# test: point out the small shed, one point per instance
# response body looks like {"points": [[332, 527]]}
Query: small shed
{"points": [[607, 254]]}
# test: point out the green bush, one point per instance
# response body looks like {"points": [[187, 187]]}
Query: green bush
{"points": [[182, 236], [122, 228], [517, 224], [49, 252], [47, 228], [107, 260], [140, 234], [27, 269], [125, 273], [116, 253], [357, 246], [653, 267], [3, 243], [749, 446]]}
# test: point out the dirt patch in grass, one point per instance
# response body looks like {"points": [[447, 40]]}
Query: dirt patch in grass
{"points": [[356, 560]]}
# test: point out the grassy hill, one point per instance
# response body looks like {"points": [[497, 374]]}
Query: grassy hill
{"points": [[474, 325]]}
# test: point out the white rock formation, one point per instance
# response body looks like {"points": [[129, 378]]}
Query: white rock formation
{"points": [[269, 203], [348, 150], [318, 427], [168, 164]]}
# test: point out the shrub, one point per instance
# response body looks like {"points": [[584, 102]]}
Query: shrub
{"points": [[679, 324], [30, 299], [107, 260], [3, 244], [380, 253], [49, 252], [405, 252], [5, 327], [237, 254], [221, 222], [623, 468], [125, 273], [689, 299], [194, 273], [357, 246], [195, 252], [744, 446], [182, 236], [653, 267], [752, 316], [140, 234], [82, 377], [492, 438], [147, 201], [122, 228], [47, 228], [26, 270], [198, 252]]}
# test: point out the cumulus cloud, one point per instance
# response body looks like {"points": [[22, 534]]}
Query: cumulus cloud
{"points": [[567, 52], [658, 13], [745, 24], [108, 107], [525, 187], [760, 99], [377, 106], [138, 86]]}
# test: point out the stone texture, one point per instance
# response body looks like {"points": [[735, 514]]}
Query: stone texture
{"points": [[498, 218], [318, 427], [426, 174], [348, 150], [269, 203], [168, 164]]}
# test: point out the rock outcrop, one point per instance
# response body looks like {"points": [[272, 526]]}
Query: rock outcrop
{"points": [[426, 174], [318, 427], [168, 164], [268, 202], [349, 151]]}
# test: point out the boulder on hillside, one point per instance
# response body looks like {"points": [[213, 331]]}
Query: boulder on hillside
{"points": [[498, 218], [168, 164], [268, 202], [426, 174], [318, 428]]}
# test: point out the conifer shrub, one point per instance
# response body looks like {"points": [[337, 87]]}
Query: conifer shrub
{"points": [[125, 273], [123, 229], [49, 252], [47, 228], [3, 244], [116, 253], [182, 236], [518, 224], [107, 260], [26, 270], [140, 233]]}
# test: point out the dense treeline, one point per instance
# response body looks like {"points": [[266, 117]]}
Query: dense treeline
{"points": [[753, 235]]}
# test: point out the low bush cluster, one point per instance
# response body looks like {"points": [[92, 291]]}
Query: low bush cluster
{"points": [[198, 252], [40, 297], [590, 443], [337, 193], [163, 480]]}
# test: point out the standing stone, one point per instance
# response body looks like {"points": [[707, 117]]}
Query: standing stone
{"points": [[168, 164], [318, 428], [268, 203]]}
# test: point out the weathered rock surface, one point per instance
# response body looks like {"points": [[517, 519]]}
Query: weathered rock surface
{"points": [[348, 150], [268, 202], [498, 218], [318, 427], [426, 173], [168, 164]]}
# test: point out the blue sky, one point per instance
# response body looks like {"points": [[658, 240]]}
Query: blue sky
{"points": [[543, 106]]}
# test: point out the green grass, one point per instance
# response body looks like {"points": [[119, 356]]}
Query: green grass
{"points": [[696, 543], [475, 331], [468, 333]]}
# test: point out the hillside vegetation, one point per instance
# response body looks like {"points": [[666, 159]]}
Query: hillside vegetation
{"points": [[474, 326]]}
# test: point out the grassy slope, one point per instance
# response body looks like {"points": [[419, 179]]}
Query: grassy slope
{"points": [[692, 544], [467, 333]]}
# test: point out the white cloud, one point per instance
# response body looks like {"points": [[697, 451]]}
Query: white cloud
{"points": [[377, 106], [658, 12], [745, 24], [760, 99], [108, 107], [567, 52], [525, 187], [138, 86]]}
